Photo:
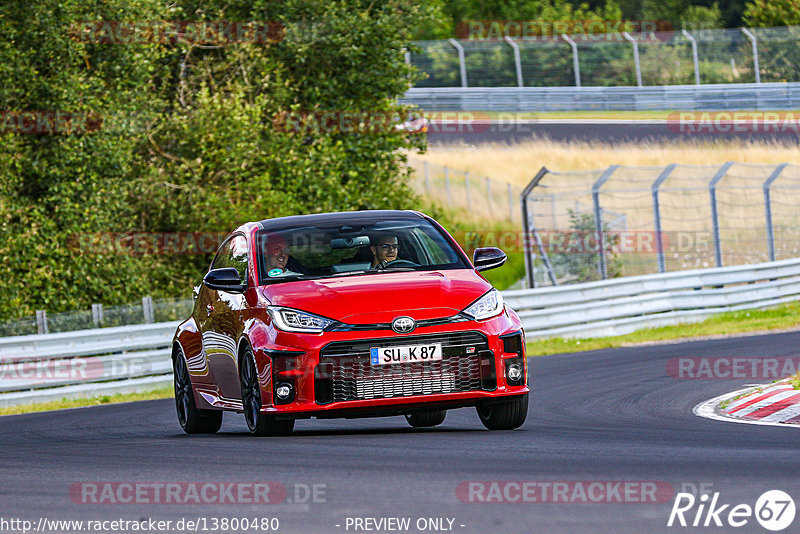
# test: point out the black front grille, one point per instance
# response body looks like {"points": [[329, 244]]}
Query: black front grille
{"points": [[345, 372]]}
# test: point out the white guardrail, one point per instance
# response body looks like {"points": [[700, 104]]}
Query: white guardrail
{"points": [[87, 363]]}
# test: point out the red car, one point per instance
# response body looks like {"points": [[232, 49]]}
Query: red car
{"points": [[357, 314]]}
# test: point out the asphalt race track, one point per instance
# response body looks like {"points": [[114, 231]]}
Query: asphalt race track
{"points": [[611, 415], [600, 131]]}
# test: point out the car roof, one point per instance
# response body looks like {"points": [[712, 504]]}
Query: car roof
{"points": [[342, 217]]}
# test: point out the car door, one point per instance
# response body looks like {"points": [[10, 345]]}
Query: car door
{"points": [[223, 325]]}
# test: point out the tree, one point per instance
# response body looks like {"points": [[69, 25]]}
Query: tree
{"points": [[772, 13]]}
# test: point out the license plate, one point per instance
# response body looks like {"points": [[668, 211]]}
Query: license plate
{"points": [[405, 354]]}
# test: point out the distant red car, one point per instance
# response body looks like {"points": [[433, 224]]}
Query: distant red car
{"points": [[356, 314]]}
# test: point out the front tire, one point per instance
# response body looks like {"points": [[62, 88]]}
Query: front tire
{"points": [[505, 415], [426, 419], [258, 423], [191, 419]]}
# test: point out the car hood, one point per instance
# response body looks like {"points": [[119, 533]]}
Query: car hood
{"points": [[372, 298]]}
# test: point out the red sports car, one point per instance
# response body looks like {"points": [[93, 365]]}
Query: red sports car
{"points": [[357, 314]]}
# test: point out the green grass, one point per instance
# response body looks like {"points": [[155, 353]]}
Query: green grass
{"points": [[165, 392], [777, 318]]}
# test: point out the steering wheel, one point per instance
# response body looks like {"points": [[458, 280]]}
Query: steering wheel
{"points": [[402, 263]]}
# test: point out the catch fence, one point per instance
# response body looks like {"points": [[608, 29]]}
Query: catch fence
{"points": [[627, 221], [721, 56]]}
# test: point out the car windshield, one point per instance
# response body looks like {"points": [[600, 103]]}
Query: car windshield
{"points": [[362, 248]]}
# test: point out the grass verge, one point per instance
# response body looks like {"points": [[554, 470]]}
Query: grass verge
{"points": [[158, 393], [785, 316]]}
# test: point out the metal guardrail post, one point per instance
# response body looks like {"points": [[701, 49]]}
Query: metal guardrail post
{"points": [[754, 44], [662, 263], [517, 61], [97, 315], [712, 190], [636, 64], [147, 309], [768, 209], [598, 219], [447, 185], [41, 321], [694, 56], [576, 67], [462, 64], [527, 227], [427, 177], [466, 186]]}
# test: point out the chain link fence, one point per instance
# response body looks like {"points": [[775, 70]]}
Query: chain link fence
{"points": [[476, 198], [651, 59], [148, 311], [625, 221]]}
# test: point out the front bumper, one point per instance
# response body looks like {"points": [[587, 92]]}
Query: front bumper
{"points": [[329, 376]]}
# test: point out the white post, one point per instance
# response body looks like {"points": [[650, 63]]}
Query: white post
{"points": [[461, 63], [517, 61], [636, 64], [755, 53], [694, 57], [575, 65]]}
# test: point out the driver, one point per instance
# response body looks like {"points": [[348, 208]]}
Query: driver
{"points": [[276, 256], [384, 251]]}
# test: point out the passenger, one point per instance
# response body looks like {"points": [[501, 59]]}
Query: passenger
{"points": [[384, 251]]}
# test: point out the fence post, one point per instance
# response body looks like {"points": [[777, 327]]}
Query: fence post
{"points": [[662, 263], [41, 321], [754, 44], [461, 63], [427, 177], [598, 216], [576, 67], [712, 190], [517, 61], [768, 209], [466, 186], [527, 227], [694, 56], [636, 64], [147, 309], [97, 315], [510, 203], [447, 184]]}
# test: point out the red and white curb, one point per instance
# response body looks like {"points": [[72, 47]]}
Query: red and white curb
{"points": [[775, 404]]}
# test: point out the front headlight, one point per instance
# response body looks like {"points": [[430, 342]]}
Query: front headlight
{"points": [[290, 320], [485, 307]]}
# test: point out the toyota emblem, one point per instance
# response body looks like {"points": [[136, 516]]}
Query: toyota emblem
{"points": [[403, 325]]}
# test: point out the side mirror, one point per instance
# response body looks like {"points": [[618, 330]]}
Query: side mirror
{"points": [[488, 258], [225, 279]]}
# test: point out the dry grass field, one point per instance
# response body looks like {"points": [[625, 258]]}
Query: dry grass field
{"points": [[518, 163]]}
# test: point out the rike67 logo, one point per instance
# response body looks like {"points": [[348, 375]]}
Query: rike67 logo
{"points": [[774, 510]]}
